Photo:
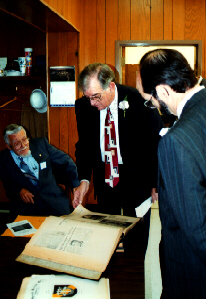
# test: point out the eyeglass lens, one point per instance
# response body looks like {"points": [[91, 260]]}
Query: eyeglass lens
{"points": [[149, 104], [96, 97], [18, 143]]}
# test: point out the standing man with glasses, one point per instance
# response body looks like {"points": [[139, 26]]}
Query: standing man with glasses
{"points": [[132, 161], [168, 77], [27, 170]]}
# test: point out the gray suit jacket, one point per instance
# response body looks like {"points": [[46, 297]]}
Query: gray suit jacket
{"points": [[58, 165], [182, 197]]}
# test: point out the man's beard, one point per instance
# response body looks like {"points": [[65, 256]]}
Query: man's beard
{"points": [[27, 155], [167, 116], [163, 107]]}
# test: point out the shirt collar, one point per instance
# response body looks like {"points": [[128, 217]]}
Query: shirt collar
{"points": [[13, 154], [113, 105], [199, 79], [186, 99], [16, 157]]}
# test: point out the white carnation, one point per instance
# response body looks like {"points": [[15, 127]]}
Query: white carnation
{"points": [[124, 105]]}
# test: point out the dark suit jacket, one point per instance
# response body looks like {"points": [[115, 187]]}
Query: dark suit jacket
{"points": [[203, 82], [138, 136], [48, 191], [182, 201]]}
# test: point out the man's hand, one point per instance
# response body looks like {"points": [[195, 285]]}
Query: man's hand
{"points": [[79, 193], [26, 196], [154, 195]]}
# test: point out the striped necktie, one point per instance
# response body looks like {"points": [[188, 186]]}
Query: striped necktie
{"points": [[111, 158], [27, 172]]}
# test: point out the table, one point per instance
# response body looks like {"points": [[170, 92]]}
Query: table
{"points": [[125, 270]]}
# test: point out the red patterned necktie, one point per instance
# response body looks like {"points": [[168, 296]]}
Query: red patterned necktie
{"points": [[111, 158]]}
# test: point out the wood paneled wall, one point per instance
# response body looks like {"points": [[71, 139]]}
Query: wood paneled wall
{"points": [[63, 51], [70, 10], [101, 22]]}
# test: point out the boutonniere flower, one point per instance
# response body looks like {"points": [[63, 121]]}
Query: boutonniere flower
{"points": [[124, 105]]}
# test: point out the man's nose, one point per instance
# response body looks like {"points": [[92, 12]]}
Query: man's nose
{"points": [[93, 102]]}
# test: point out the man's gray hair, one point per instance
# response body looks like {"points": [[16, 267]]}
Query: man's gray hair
{"points": [[101, 71], [11, 130]]}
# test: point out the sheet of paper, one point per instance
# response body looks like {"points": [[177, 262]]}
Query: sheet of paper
{"points": [[21, 228], [84, 215], [34, 220], [144, 207], [53, 286], [62, 94]]}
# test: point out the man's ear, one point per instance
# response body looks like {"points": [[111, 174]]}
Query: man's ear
{"points": [[8, 146], [161, 91], [112, 86]]}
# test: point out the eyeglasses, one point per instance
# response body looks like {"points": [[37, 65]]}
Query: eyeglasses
{"points": [[149, 104], [95, 97], [18, 144]]}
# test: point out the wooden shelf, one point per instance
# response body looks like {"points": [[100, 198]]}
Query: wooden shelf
{"points": [[37, 14], [22, 78]]}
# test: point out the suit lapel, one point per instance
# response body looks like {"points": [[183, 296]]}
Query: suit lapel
{"points": [[121, 118], [95, 116], [36, 154], [15, 170], [194, 99], [121, 96], [11, 162]]}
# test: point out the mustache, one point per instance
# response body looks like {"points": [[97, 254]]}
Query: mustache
{"points": [[23, 149]]}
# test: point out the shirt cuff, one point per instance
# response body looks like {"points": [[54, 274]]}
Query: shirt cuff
{"points": [[84, 180]]}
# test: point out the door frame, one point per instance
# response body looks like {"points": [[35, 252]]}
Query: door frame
{"points": [[120, 44]]}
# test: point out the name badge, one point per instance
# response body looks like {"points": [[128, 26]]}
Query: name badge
{"points": [[43, 165]]}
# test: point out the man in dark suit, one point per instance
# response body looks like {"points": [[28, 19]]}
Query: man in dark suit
{"points": [[174, 88], [27, 170], [137, 137]]}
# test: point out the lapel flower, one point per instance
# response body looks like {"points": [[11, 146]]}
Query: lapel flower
{"points": [[124, 105]]}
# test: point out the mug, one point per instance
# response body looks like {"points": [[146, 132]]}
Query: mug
{"points": [[22, 65]]}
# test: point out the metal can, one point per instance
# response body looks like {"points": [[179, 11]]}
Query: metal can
{"points": [[28, 55]]}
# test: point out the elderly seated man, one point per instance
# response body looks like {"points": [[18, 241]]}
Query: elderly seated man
{"points": [[27, 172]]}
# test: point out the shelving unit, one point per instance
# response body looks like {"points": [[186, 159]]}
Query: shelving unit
{"points": [[21, 78], [29, 23]]}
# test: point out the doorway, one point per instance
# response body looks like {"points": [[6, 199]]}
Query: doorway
{"points": [[126, 70]]}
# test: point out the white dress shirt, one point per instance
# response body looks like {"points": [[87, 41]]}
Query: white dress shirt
{"points": [[114, 110], [30, 161], [180, 107], [186, 99]]}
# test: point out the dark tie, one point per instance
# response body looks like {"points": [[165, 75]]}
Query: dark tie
{"points": [[27, 172], [111, 158]]}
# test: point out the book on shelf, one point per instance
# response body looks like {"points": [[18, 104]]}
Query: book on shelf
{"points": [[80, 244], [57, 286]]}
